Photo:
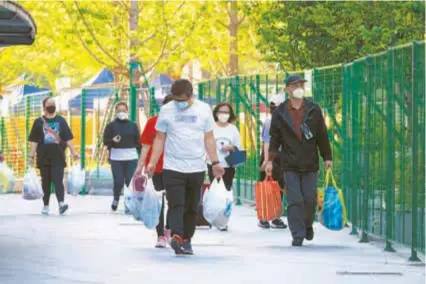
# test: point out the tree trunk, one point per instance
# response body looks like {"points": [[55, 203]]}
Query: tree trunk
{"points": [[133, 27], [233, 38]]}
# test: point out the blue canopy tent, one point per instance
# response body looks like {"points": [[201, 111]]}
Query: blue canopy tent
{"points": [[160, 81], [103, 77], [17, 98]]}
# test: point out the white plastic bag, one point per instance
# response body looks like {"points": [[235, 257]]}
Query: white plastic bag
{"points": [[217, 204], [151, 206], [76, 180], [32, 187], [7, 179], [133, 200]]}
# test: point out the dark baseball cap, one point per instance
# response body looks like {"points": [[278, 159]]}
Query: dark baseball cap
{"points": [[293, 79]]}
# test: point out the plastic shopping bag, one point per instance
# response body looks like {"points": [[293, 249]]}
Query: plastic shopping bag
{"points": [[217, 204], [151, 206], [76, 180], [134, 195], [32, 187], [7, 179], [331, 208]]}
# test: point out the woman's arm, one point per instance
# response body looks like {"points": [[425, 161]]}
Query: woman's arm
{"points": [[108, 135], [72, 149]]}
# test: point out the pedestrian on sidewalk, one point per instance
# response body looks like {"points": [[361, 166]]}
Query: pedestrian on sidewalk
{"points": [[185, 133], [227, 139], [298, 127], [147, 139], [121, 136], [49, 137], [277, 173]]}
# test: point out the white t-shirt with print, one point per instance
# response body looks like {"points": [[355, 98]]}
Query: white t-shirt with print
{"points": [[184, 149], [226, 136]]}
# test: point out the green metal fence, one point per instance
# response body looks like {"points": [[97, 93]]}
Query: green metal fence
{"points": [[375, 112]]}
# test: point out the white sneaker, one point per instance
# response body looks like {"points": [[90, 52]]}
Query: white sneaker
{"points": [[45, 210], [161, 242]]}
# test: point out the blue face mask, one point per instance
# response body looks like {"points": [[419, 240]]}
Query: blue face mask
{"points": [[182, 105]]}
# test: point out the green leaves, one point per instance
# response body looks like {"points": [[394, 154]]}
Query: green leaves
{"points": [[328, 33]]}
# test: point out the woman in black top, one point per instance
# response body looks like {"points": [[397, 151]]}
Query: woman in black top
{"points": [[121, 136], [49, 137]]}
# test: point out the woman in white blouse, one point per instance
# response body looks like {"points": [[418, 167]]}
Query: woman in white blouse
{"points": [[227, 139]]}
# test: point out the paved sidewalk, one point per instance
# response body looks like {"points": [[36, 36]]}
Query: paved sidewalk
{"points": [[92, 245]]}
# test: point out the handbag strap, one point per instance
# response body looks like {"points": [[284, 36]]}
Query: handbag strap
{"points": [[269, 178], [51, 131], [329, 175]]}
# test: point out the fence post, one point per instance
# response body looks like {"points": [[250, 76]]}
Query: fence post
{"points": [[201, 91], [353, 98], [27, 129], [218, 94], [3, 136], [366, 185], [154, 108], [133, 97], [390, 157], [415, 147], [237, 110], [83, 135]]}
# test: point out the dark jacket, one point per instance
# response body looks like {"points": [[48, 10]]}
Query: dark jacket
{"points": [[128, 131], [300, 155]]}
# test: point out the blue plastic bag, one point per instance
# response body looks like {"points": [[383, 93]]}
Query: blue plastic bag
{"points": [[151, 206], [332, 214]]}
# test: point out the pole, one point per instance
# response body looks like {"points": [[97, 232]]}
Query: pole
{"points": [[83, 135]]}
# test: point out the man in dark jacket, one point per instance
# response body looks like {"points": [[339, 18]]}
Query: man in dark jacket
{"points": [[298, 127]]}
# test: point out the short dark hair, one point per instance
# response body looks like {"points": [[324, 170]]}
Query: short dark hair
{"points": [[121, 104], [232, 116], [180, 87], [167, 99], [44, 101]]}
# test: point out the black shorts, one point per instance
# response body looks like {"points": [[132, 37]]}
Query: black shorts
{"points": [[157, 180]]}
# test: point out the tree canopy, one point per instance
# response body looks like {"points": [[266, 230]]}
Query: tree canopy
{"points": [[76, 38], [303, 35]]}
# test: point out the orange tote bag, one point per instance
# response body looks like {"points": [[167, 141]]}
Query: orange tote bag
{"points": [[268, 200]]}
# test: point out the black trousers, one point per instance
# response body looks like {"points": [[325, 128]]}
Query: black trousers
{"points": [[183, 192], [122, 172], [228, 177], [302, 201], [157, 180], [53, 174]]}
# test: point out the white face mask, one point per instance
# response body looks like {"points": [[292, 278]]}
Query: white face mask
{"points": [[223, 117], [298, 93], [122, 115]]}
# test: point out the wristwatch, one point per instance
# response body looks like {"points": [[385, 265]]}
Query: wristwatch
{"points": [[214, 163]]}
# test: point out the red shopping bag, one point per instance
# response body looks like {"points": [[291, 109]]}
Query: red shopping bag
{"points": [[268, 200]]}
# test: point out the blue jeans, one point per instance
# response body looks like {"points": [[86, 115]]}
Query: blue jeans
{"points": [[122, 172]]}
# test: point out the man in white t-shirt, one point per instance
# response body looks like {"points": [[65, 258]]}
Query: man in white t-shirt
{"points": [[185, 133]]}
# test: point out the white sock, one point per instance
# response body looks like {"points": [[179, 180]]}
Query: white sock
{"points": [[61, 203]]}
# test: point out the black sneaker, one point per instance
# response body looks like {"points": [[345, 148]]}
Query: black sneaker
{"points": [[176, 244], [297, 242], [114, 205], [278, 224], [63, 208], [264, 224], [309, 234], [187, 247]]}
